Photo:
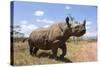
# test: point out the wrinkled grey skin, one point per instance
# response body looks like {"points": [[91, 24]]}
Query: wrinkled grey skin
{"points": [[54, 37]]}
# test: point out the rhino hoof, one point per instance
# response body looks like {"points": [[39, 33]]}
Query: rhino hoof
{"points": [[61, 57]]}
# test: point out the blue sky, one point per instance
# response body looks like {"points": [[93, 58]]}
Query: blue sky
{"points": [[33, 15]]}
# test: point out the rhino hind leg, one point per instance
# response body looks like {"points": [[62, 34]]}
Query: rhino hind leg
{"points": [[31, 50], [30, 47], [63, 48], [35, 51]]}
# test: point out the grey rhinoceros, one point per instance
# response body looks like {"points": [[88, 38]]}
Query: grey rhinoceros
{"points": [[54, 37]]}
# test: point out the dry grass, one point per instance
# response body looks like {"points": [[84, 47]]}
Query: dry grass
{"points": [[83, 51]]}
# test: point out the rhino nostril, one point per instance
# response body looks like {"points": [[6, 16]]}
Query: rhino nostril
{"points": [[83, 31]]}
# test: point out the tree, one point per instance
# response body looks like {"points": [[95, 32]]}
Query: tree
{"points": [[17, 32]]}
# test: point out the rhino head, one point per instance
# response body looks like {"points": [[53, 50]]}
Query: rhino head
{"points": [[76, 28]]}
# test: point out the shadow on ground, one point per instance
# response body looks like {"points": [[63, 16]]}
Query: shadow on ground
{"points": [[43, 54]]}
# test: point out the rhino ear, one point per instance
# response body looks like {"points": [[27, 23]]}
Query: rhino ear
{"points": [[84, 22], [67, 21]]}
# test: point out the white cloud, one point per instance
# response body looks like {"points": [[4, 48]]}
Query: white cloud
{"points": [[46, 26], [39, 13], [45, 21], [88, 24], [24, 22], [88, 27], [27, 28], [67, 7], [31, 26]]}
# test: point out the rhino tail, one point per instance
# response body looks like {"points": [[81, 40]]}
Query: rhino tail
{"points": [[25, 39]]}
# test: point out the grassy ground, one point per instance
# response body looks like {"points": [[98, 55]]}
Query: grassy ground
{"points": [[83, 51]]}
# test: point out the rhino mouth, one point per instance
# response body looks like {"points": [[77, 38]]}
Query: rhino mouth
{"points": [[81, 33]]}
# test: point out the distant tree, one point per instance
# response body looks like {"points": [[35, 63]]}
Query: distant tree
{"points": [[17, 31]]}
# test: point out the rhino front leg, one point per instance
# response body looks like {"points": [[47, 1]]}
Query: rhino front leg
{"points": [[54, 51], [55, 48], [63, 48]]}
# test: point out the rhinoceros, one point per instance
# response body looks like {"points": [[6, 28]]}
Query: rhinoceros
{"points": [[55, 36]]}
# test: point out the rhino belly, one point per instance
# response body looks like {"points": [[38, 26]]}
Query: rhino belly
{"points": [[41, 42]]}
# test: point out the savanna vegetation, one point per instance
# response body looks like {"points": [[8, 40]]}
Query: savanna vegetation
{"points": [[81, 51]]}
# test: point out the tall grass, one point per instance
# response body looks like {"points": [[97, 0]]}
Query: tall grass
{"points": [[74, 53]]}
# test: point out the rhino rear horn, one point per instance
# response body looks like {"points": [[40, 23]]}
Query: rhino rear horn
{"points": [[67, 21]]}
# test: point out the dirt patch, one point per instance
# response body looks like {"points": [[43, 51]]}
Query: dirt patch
{"points": [[88, 52]]}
